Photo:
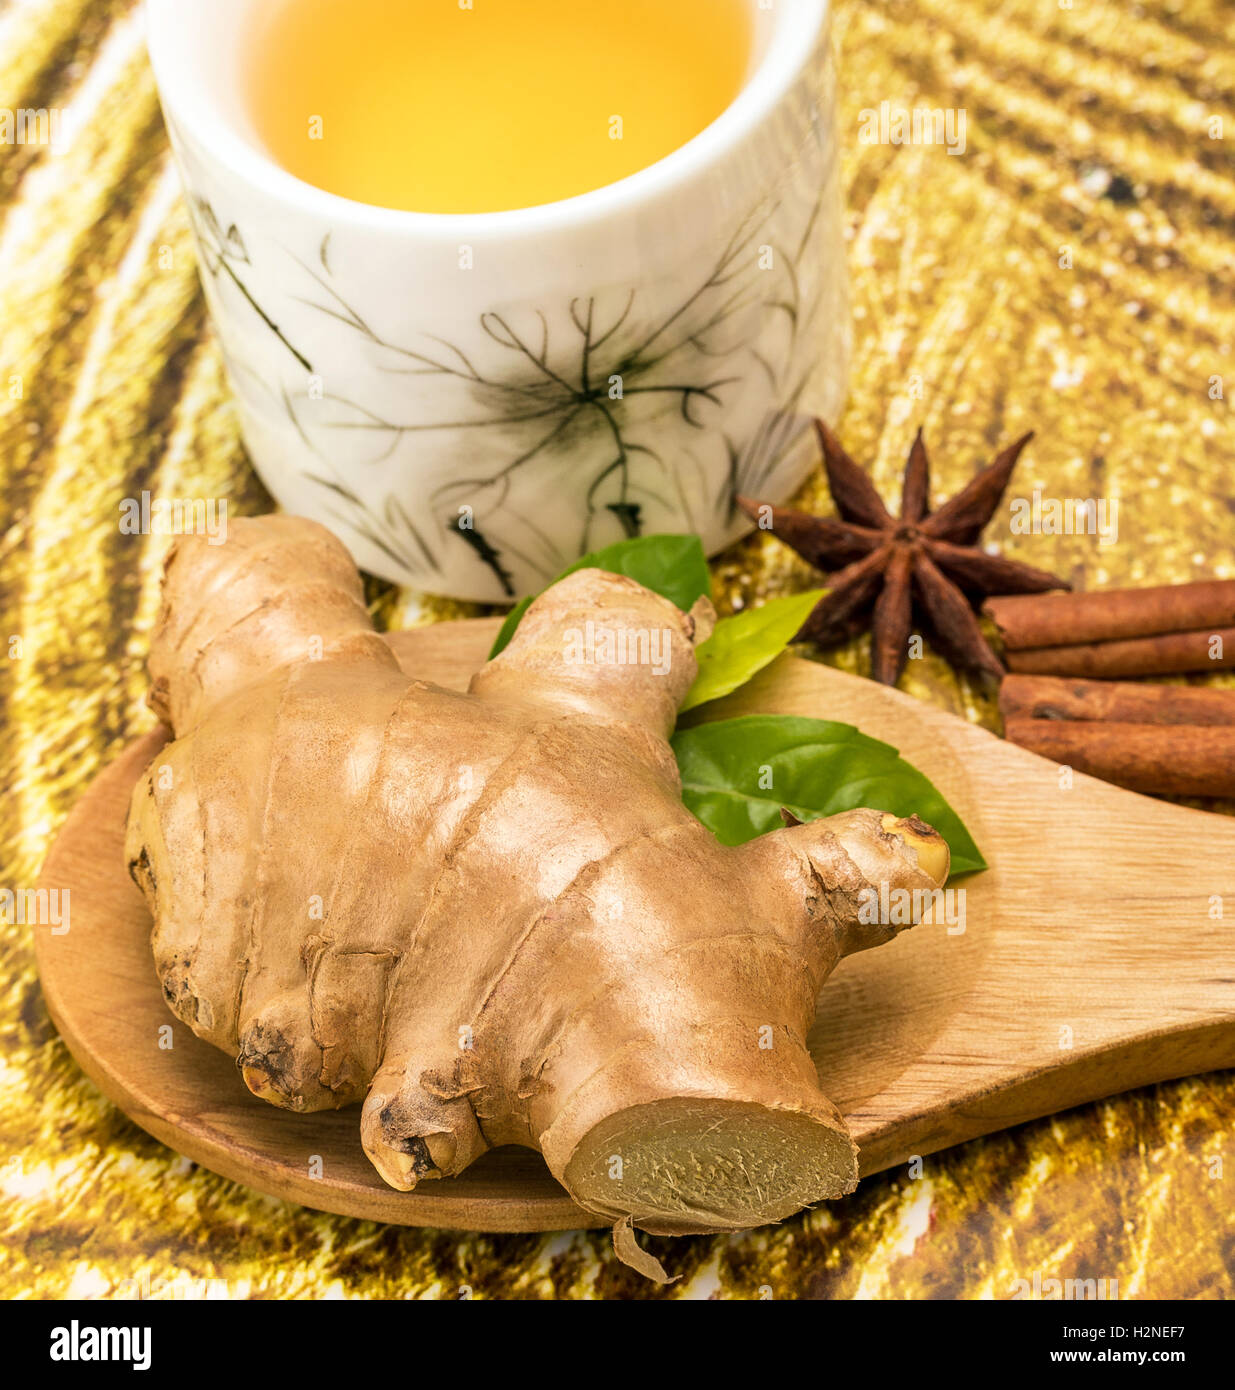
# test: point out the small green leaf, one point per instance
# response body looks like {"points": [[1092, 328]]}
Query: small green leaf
{"points": [[672, 566], [744, 644], [738, 773], [513, 619]]}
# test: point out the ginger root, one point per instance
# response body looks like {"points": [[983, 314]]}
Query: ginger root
{"points": [[489, 915]]}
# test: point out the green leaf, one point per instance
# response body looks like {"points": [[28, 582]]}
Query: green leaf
{"points": [[673, 566], [814, 768], [746, 643], [513, 619]]}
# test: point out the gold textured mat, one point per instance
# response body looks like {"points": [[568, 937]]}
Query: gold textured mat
{"points": [[1089, 141]]}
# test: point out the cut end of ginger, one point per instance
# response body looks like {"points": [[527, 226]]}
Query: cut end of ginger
{"points": [[681, 1167]]}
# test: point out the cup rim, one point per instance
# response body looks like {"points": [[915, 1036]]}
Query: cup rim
{"points": [[188, 98]]}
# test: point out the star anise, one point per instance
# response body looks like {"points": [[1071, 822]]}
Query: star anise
{"points": [[886, 568]]}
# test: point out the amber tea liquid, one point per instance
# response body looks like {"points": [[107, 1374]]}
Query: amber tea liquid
{"points": [[424, 106]]}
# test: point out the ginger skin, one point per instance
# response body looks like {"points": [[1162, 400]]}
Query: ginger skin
{"points": [[489, 915]]}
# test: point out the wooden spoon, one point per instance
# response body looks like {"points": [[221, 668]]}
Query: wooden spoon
{"points": [[1094, 958]]}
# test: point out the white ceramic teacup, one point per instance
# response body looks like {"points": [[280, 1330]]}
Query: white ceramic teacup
{"points": [[474, 401]]}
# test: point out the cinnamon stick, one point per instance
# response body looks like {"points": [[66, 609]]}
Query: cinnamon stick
{"points": [[1175, 761], [1109, 615], [1117, 702], [1165, 654]]}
